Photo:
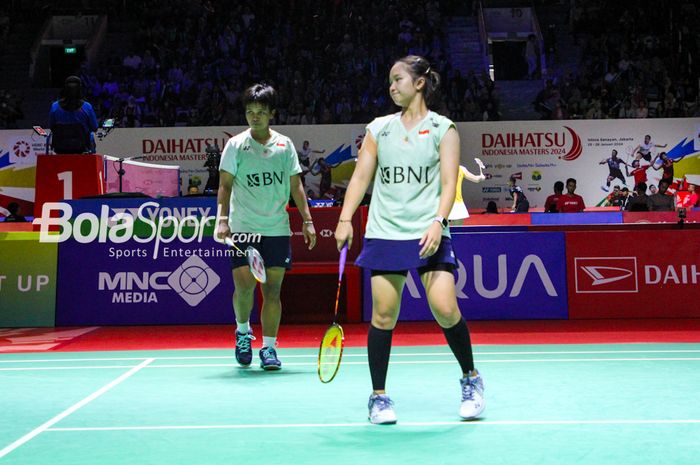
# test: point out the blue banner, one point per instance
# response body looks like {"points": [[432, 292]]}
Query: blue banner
{"points": [[122, 284], [177, 207], [501, 276], [577, 218]]}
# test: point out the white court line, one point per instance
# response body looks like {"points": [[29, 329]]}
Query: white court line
{"points": [[88, 367], [439, 362], [395, 362], [105, 359], [345, 355], [72, 409], [365, 424]]}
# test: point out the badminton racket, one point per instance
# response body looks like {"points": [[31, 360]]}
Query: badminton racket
{"points": [[255, 260], [331, 351], [481, 165]]}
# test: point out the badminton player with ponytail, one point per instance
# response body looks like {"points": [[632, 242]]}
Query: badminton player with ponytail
{"points": [[259, 169], [413, 158]]}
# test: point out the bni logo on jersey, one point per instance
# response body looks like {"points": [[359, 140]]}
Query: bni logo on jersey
{"points": [[606, 275]]}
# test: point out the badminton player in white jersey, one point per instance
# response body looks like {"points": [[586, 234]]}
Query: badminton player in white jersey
{"points": [[258, 171], [413, 158], [644, 149]]}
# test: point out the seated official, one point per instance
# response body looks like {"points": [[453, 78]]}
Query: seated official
{"points": [[72, 120], [15, 216], [662, 202]]}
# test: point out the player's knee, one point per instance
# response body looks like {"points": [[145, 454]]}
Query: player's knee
{"points": [[446, 314], [243, 282], [272, 291], [383, 318], [244, 289]]}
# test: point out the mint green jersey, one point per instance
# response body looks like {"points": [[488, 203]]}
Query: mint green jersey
{"points": [[407, 187], [261, 183]]}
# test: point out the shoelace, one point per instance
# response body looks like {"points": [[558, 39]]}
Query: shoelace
{"points": [[382, 403], [243, 342], [269, 352], [468, 389]]}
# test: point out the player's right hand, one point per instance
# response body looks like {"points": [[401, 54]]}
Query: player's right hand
{"points": [[222, 231], [343, 234]]}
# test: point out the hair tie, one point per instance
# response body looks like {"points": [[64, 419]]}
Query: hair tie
{"points": [[427, 71]]}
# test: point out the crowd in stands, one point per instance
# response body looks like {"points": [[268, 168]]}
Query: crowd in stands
{"points": [[190, 60], [10, 109], [638, 60]]}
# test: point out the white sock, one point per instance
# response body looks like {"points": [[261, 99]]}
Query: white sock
{"points": [[242, 328], [269, 341]]}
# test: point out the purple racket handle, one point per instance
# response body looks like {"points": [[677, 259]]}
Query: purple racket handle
{"points": [[341, 264]]}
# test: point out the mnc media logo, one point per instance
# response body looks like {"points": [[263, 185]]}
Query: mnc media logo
{"points": [[597, 275], [194, 280]]}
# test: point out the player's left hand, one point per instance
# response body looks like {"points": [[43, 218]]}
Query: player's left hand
{"points": [[309, 235], [430, 240]]}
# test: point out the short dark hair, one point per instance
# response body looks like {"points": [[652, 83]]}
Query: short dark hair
{"points": [[642, 186], [558, 186], [13, 207], [571, 180], [264, 94], [419, 67]]}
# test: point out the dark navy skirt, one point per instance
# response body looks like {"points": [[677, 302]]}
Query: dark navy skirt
{"points": [[394, 255]]}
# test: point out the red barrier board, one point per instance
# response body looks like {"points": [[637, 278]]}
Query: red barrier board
{"points": [[325, 221], [633, 274], [502, 219], [659, 217], [66, 177]]}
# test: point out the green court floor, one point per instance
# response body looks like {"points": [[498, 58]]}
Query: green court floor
{"points": [[567, 404]]}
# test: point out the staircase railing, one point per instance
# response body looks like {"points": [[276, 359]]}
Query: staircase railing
{"points": [[540, 42], [485, 47]]}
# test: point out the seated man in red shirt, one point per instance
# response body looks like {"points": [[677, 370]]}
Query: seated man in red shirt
{"points": [[570, 202], [689, 201], [550, 205]]}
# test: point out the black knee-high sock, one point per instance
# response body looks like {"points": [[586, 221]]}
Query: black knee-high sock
{"points": [[459, 341], [378, 351]]}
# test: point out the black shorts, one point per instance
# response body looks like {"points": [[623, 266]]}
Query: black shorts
{"points": [[646, 156], [276, 251], [523, 206], [423, 269], [617, 173]]}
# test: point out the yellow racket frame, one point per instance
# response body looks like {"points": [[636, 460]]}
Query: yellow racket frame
{"points": [[330, 353]]}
